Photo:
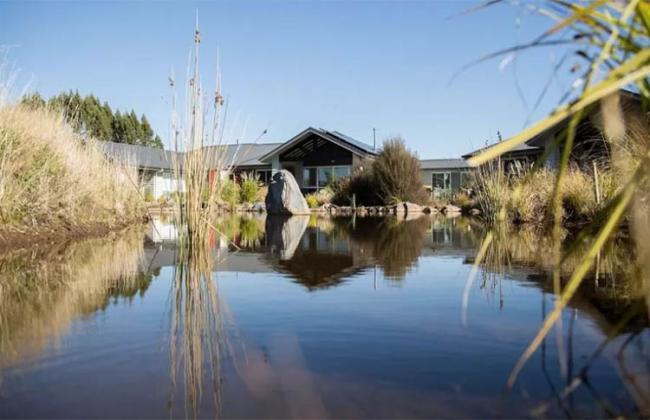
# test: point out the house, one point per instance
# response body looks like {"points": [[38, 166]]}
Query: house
{"points": [[316, 157], [590, 145], [444, 177], [155, 166]]}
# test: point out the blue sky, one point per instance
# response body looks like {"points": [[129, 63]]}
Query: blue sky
{"points": [[346, 66]]}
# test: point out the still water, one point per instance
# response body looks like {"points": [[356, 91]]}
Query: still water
{"points": [[308, 317]]}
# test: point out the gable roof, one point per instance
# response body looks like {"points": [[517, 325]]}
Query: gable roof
{"points": [[335, 137]]}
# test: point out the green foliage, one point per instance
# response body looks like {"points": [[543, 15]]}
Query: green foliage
{"points": [[229, 191], [392, 177], [148, 196], [397, 173], [89, 116], [312, 201], [248, 189]]}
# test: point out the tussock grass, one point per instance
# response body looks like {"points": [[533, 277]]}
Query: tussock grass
{"points": [[52, 178], [613, 38], [525, 197]]}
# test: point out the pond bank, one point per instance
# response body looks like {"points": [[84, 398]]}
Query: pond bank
{"points": [[10, 240]]}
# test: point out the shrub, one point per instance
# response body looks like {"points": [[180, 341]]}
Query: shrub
{"points": [[397, 174], [578, 194], [249, 189], [360, 184], [148, 195], [312, 201], [229, 193]]}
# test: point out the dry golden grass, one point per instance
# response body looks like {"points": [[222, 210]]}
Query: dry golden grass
{"points": [[52, 178]]}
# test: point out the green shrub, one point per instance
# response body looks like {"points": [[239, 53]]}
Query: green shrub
{"points": [[312, 201], [229, 193], [148, 195], [248, 189], [396, 173]]}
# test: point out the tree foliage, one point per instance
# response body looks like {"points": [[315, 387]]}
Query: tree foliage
{"points": [[89, 116], [397, 173]]}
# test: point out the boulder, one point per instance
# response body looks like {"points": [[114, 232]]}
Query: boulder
{"points": [[259, 207], [475, 212], [451, 209], [407, 208], [283, 235], [284, 196]]}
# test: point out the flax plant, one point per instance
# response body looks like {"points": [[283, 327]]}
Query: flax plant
{"points": [[614, 39]]}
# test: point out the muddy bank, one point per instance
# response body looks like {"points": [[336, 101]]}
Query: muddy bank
{"points": [[16, 239]]}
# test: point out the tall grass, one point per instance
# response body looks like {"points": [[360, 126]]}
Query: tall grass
{"points": [[614, 40], [53, 179]]}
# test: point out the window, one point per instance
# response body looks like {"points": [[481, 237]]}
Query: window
{"points": [[321, 176], [465, 179], [309, 179], [341, 171], [263, 175], [324, 176], [441, 181]]}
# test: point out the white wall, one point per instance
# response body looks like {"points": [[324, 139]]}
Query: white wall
{"points": [[165, 184]]}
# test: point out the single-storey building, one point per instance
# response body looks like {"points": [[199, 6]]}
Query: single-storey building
{"points": [[590, 145], [444, 176]]}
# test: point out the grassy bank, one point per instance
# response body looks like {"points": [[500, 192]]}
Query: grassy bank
{"points": [[526, 197], [55, 183]]}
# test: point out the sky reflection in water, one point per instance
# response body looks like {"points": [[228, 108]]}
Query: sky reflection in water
{"points": [[308, 317]]}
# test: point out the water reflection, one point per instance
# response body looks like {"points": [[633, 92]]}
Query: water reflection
{"points": [[42, 291], [317, 335]]}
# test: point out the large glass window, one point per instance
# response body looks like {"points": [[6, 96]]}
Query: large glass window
{"points": [[264, 176], [324, 176], [309, 179], [441, 181], [341, 171], [321, 176]]}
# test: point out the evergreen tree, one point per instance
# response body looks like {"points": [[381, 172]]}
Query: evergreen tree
{"points": [[90, 117]]}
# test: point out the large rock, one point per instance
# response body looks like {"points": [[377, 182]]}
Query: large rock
{"points": [[284, 196], [407, 207], [451, 209]]}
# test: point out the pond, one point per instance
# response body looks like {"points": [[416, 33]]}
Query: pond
{"points": [[313, 317]]}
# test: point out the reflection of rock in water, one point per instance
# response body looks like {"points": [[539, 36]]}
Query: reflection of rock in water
{"points": [[283, 234], [395, 244], [43, 292]]}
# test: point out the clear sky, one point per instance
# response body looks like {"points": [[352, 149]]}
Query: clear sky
{"points": [[287, 65]]}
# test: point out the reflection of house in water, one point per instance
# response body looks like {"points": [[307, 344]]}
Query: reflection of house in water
{"points": [[323, 260], [162, 230], [451, 237]]}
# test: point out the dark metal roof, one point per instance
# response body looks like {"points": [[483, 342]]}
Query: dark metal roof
{"points": [[141, 156], [520, 149], [335, 137], [443, 164], [244, 154], [363, 146]]}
